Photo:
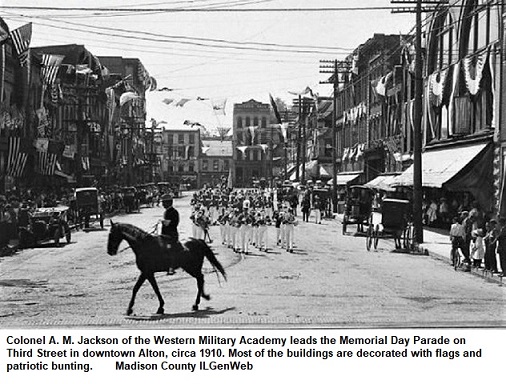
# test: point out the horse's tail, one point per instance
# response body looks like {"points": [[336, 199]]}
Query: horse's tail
{"points": [[209, 254]]}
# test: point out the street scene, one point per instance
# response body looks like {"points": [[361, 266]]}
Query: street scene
{"points": [[253, 163], [329, 280]]}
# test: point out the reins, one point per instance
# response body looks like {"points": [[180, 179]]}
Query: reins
{"points": [[150, 233]]}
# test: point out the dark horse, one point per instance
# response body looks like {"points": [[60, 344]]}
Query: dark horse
{"points": [[151, 256]]}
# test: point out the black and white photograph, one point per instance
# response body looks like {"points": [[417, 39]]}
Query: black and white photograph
{"points": [[251, 183]]}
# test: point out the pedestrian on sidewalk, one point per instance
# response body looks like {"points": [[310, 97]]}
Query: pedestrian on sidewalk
{"points": [[501, 245], [490, 241], [457, 236]]}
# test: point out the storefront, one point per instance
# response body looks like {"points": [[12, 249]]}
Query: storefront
{"points": [[458, 171]]}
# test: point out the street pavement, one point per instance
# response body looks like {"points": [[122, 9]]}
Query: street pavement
{"points": [[330, 280]]}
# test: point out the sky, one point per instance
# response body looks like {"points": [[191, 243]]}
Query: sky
{"points": [[214, 49]]}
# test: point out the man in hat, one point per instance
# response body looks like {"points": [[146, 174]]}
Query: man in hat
{"points": [[169, 230]]}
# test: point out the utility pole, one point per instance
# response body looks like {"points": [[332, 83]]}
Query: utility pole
{"points": [[336, 68], [299, 122], [417, 113]]}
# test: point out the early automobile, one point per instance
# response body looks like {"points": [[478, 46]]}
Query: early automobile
{"points": [[46, 224], [87, 205]]}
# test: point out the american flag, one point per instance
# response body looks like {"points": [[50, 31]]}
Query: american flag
{"points": [[46, 163], [21, 38], [50, 66], [17, 157]]}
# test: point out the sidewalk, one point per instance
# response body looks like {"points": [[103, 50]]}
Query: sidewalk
{"points": [[437, 244]]}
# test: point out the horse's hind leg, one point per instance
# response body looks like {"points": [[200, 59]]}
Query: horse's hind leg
{"points": [[200, 291], [151, 279], [140, 281]]}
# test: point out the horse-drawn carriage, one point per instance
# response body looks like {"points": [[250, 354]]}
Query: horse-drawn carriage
{"points": [[393, 220], [46, 224], [86, 205], [357, 209], [131, 199]]}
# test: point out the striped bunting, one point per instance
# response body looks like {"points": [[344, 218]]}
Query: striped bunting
{"points": [[50, 66], [46, 163], [17, 159], [21, 38]]}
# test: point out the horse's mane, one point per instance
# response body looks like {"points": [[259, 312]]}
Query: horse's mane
{"points": [[134, 231]]}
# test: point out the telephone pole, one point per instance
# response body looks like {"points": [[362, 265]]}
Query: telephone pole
{"points": [[429, 6], [336, 68]]}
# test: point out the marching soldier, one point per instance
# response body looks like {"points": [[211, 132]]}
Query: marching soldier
{"points": [[290, 223]]}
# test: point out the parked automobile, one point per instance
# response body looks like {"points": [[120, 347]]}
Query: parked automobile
{"points": [[46, 224]]}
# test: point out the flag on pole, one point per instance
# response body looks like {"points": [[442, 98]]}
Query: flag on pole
{"points": [[17, 157], [50, 66], [21, 38], [275, 109]]}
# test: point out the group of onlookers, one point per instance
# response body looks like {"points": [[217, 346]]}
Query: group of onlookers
{"points": [[480, 241]]}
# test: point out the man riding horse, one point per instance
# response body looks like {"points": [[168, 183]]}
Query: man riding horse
{"points": [[169, 231]]}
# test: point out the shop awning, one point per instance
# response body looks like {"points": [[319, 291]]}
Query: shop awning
{"points": [[311, 169], [345, 178], [383, 182], [441, 166]]}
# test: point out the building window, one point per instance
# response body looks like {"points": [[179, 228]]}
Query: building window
{"points": [[191, 152], [170, 139], [248, 121], [239, 122], [180, 152], [191, 167], [255, 121], [192, 138], [180, 138], [205, 165], [226, 165], [239, 137], [181, 168], [264, 122], [216, 165]]}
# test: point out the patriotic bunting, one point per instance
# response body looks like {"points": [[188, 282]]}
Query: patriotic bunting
{"points": [[126, 97], [21, 38], [252, 131], [182, 102], [476, 62], [219, 105], [243, 149]]}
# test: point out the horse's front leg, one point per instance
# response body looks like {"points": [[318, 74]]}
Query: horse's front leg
{"points": [[140, 281], [151, 279]]}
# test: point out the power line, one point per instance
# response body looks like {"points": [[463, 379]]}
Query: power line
{"points": [[196, 41]]}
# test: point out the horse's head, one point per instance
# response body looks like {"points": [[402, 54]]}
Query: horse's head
{"points": [[115, 237]]}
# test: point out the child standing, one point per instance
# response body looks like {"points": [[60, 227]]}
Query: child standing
{"points": [[477, 248]]}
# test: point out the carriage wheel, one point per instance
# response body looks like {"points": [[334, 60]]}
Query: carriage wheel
{"points": [[370, 237], [408, 238], [376, 235]]}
